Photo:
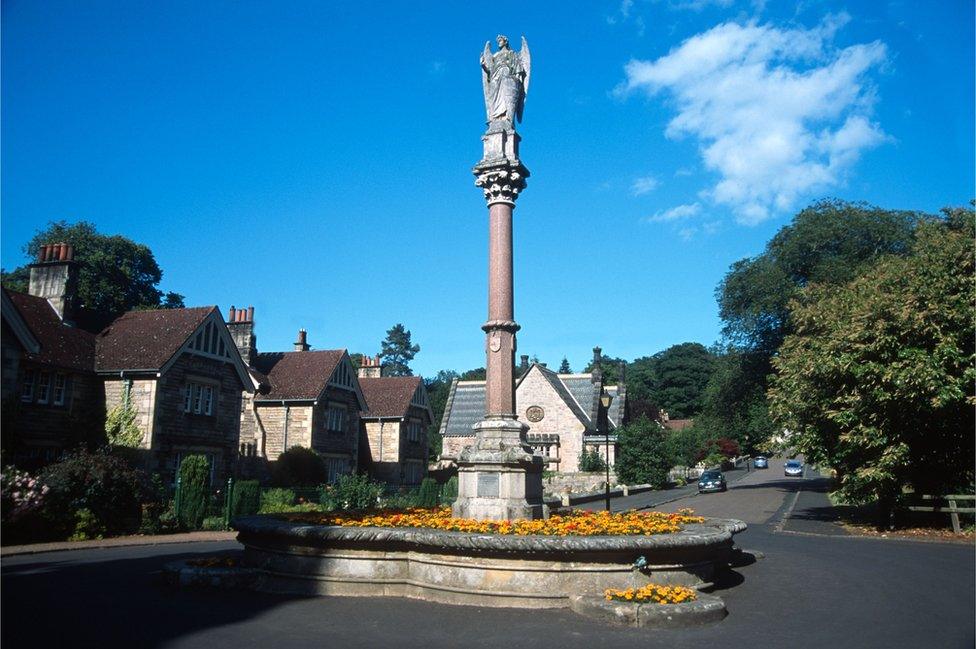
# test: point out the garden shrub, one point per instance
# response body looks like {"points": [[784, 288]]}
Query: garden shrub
{"points": [[400, 500], [87, 526], [644, 457], [591, 461], [299, 467], [100, 482], [246, 498], [351, 492], [275, 501], [214, 524], [429, 495], [450, 492], [149, 523], [194, 491]]}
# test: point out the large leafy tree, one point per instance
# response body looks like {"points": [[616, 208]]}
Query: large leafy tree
{"points": [[644, 456], [674, 379], [397, 350], [876, 378], [438, 388], [828, 243], [610, 367], [115, 274]]}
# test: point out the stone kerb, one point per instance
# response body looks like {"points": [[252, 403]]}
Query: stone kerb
{"points": [[475, 569]]}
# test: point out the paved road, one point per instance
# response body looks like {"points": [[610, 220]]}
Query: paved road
{"points": [[809, 590]]}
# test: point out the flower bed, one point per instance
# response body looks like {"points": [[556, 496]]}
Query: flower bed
{"points": [[573, 524], [652, 593]]}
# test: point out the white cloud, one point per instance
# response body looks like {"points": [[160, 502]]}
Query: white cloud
{"points": [[777, 113], [676, 213], [644, 185]]}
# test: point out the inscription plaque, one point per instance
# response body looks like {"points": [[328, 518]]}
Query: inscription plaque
{"points": [[488, 485]]}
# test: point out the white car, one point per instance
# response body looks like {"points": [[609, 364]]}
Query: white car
{"points": [[793, 469]]}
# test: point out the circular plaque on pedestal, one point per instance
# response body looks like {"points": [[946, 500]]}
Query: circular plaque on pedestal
{"points": [[535, 413]]}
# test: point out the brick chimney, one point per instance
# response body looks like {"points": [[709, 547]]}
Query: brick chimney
{"points": [[54, 276], [524, 362], [301, 344], [371, 368], [240, 323], [596, 374]]}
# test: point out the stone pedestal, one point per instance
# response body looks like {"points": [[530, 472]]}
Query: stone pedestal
{"points": [[499, 478]]}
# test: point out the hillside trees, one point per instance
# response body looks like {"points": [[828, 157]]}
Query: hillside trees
{"points": [[397, 351]]}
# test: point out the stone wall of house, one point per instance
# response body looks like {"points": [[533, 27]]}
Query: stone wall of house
{"points": [[142, 399], [249, 425], [330, 443], [30, 427], [176, 433], [271, 417], [452, 445], [382, 455], [558, 419]]}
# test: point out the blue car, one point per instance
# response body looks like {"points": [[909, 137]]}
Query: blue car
{"points": [[711, 481], [760, 462], [793, 469]]}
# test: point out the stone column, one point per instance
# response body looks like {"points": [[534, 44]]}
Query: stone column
{"points": [[499, 478]]}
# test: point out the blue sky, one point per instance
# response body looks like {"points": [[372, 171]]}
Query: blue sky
{"points": [[314, 159]]}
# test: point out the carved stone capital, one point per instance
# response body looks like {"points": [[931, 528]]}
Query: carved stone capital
{"points": [[501, 325], [502, 182]]}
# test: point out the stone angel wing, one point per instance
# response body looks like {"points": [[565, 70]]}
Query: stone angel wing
{"points": [[525, 56], [486, 61]]}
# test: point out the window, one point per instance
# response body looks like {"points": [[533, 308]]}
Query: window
{"points": [[27, 387], [44, 387], [60, 383], [335, 467], [335, 418], [198, 398], [413, 431]]}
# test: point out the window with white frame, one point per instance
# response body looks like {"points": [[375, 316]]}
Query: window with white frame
{"points": [[27, 387], [44, 387], [60, 387], [335, 467], [198, 398], [335, 418]]}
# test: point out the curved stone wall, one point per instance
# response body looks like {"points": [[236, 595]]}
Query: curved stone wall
{"points": [[476, 569]]}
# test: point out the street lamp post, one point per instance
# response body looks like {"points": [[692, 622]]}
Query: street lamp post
{"points": [[605, 400]]}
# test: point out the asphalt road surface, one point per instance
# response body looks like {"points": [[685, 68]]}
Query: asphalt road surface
{"points": [[812, 587]]}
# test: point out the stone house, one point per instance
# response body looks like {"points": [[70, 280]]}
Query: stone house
{"points": [[302, 398], [394, 446], [563, 413], [179, 370]]}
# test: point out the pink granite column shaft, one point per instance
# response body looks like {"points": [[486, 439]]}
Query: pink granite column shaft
{"points": [[500, 328]]}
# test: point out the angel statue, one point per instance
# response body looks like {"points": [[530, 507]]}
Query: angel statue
{"points": [[505, 77]]}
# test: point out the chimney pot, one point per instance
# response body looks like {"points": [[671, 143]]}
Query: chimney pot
{"points": [[62, 252], [232, 314], [70, 252], [250, 314], [42, 253]]}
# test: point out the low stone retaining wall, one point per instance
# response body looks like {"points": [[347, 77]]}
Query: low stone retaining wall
{"points": [[705, 609], [474, 569]]}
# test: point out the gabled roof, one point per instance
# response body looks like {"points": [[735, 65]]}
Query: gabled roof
{"points": [[297, 376], [389, 396], [60, 345], [146, 340], [580, 409], [18, 326], [465, 407]]}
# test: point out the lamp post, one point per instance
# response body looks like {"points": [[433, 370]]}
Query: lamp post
{"points": [[605, 400]]}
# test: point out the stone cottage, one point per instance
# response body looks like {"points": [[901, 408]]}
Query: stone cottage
{"points": [[301, 398], [394, 446], [563, 413]]}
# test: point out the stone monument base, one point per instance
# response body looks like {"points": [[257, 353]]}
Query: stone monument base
{"points": [[498, 477]]}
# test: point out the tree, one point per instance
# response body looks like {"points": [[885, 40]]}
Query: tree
{"points": [[610, 367], [564, 367], [674, 379], [397, 351], [876, 379], [828, 243], [644, 456], [438, 389], [115, 274], [477, 374], [591, 461]]}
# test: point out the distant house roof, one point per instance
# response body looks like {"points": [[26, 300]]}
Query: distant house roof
{"points": [[388, 396], [146, 340], [297, 375], [678, 424], [466, 401], [60, 345]]}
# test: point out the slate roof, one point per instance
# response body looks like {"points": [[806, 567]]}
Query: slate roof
{"points": [[146, 340], [467, 407], [388, 396], [466, 402], [297, 375], [61, 345]]}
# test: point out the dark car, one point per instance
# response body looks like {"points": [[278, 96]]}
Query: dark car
{"points": [[711, 481], [760, 462], [793, 469]]}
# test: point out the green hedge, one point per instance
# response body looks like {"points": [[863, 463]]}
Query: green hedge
{"points": [[245, 498], [194, 491]]}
